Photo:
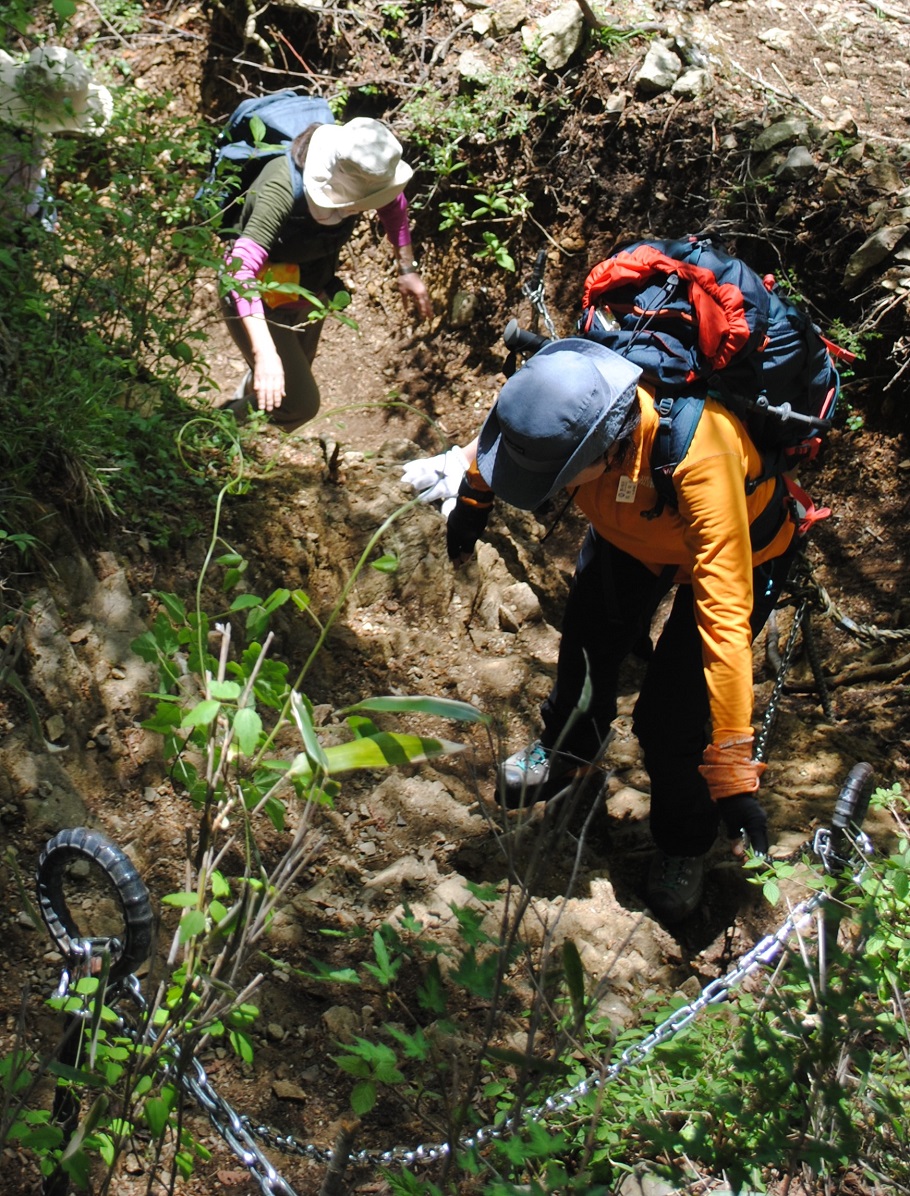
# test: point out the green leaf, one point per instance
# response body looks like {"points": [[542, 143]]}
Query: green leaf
{"points": [[39, 1139], [157, 1112], [431, 994], [183, 1161], [388, 563], [386, 969], [242, 1044], [247, 729], [77, 1075], [245, 601], [275, 599], [575, 978], [224, 691], [322, 971], [202, 715], [354, 1065], [174, 606], [385, 750], [315, 752], [220, 886], [361, 728], [415, 1045], [483, 892], [183, 900], [257, 623], [477, 976], [418, 704], [64, 8], [106, 1148], [363, 1097], [76, 1165], [191, 924]]}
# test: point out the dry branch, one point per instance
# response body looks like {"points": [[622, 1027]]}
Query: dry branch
{"points": [[886, 671]]}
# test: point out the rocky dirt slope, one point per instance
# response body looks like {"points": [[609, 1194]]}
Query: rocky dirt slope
{"points": [[626, 157]]}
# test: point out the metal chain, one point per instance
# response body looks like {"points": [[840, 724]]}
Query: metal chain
{"points": [[805, 589], [536, 296], [764, 735], [241, 1135]]}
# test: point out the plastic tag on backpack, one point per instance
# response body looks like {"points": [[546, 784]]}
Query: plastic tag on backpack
{"points": [[626, 490]]}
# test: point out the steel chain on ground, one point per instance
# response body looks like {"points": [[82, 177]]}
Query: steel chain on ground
{"points": [[241, 1134]]}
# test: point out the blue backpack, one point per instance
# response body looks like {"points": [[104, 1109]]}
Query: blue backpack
{"points": [[258, 130], [700, 322]]}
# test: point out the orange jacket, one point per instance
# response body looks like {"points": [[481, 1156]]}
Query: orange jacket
{"points": [[707, 537]]}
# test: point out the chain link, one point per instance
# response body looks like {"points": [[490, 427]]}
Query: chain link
{"points": [[806, 593], [538, 302], [242, 1136], [767, 726]]}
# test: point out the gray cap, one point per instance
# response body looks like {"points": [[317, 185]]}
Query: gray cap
{"points": [[553, 418]]}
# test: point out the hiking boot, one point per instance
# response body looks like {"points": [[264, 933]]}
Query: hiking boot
{"points": [[675, 884], [535, 774]]}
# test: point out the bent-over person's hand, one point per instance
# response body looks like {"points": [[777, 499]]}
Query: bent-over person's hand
{"points": [[743, 815], [268, 381], [464, 527], [414, 290], [733, 779]]}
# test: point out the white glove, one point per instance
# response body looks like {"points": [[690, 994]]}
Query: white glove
{"points": [[436, 477]]}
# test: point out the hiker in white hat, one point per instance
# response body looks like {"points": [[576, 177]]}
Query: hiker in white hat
{"points": [[347, 169], [49, 92]]}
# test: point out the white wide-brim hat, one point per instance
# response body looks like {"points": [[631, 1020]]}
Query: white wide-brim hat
{"points": [[52, 92], [354, 167]]}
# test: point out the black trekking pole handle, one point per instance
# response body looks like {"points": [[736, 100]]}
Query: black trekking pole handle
{"points": [[79, 843], [522, 340], [853, 800]]}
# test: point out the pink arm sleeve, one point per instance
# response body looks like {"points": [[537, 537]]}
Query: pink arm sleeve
{"points": [[252, 258], [394, 217]]}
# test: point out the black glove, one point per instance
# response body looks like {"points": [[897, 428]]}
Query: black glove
{"points": [[742, 814], [465, 526]]}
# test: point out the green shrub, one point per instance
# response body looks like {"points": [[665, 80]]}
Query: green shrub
{"points": [[105, 339]]}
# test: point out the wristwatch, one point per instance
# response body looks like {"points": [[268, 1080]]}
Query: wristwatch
{"points": [[413, 268]]}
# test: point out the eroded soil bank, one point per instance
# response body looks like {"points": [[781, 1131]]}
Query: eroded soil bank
{"points": [[486, 634]]}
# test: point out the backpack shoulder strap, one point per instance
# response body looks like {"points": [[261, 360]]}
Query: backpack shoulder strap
{"points": [[296, 180], [677, 420]]}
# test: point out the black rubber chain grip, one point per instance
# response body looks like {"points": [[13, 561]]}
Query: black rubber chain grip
{"points": [[853, 800], [79, 843]]}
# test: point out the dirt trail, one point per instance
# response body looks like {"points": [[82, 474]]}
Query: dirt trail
{"points": [[487, 634]]}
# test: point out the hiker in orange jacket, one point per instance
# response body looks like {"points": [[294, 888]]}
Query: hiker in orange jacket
{"points": [[576, 415]]}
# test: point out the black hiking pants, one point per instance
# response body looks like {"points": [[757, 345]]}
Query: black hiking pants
{"points": [[611, 603]]}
